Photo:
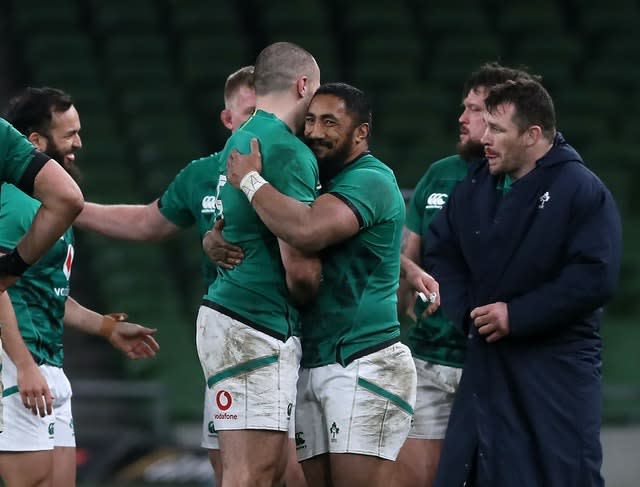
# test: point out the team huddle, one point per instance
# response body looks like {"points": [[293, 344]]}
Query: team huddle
{"points": [[504, 259]]}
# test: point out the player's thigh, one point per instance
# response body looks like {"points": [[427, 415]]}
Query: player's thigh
{"points": [[354, 470], [26, 469], [436, 389], [417, 463], [369, 404], [64, 466], [317, 471], [255, 454]]}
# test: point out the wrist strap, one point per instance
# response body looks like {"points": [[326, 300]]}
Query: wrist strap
{"points": [[252, 182], [13, 264], [109, 323]]}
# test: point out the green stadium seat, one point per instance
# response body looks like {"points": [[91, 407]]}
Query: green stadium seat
{"points": [[126, 16], [45, 16], [190, 17], [556, 57], [516, 19], [457, 56], [443, 17], [614, 65], [599, 20]]}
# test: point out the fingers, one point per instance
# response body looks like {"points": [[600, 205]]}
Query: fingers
{"points": [[255, 147], [40, 403]]}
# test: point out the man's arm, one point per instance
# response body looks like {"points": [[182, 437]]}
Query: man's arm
{"points": [[327, 221], [32, 385], [133, 340], [126, 222], [413, 279], [303, 274], [61, 201]]}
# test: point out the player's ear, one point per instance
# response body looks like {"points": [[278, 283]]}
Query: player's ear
{"points": [[225, 118], [37, 140], [362, 132]]}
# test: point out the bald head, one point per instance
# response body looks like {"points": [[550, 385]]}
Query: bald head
{"points": [[280, 65]]}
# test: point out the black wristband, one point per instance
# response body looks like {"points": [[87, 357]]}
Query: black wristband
{"points": [[12, 264]]}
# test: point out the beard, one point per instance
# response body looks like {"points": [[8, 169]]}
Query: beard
{"points": [[473, 149], [55, 153], [333, 162]]}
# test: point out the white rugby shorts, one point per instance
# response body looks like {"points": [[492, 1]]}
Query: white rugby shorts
{"points": [[437, 385], [251, 375], [364, 408], [23, 431]]}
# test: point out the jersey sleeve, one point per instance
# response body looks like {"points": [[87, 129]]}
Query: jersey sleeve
{"points": [[19, 160], [415, 210], [174, 203], [14, 220], [366, 192]]}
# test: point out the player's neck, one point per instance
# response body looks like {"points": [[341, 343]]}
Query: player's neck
{"points": [[282, 106]]}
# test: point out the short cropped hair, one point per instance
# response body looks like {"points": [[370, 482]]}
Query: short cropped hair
{"points": [[236, 80], [533, 104], [355, 100], [492, 73], [279, 65], [30, 111]]}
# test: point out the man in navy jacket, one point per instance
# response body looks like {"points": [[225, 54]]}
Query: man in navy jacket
{"points": [[527, 251]]}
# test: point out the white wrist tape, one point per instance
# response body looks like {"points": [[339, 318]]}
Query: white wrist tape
{"points": [[250, 183]]}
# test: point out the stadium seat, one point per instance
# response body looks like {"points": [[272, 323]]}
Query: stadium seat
{"points": [[45, 16], [115, 16]]}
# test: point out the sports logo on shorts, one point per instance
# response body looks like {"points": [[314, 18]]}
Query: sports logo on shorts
{"points": [[300, 442], [51, 429], [334, 430], [223, 400], [436, 201], [208, 204], [211, 428]]}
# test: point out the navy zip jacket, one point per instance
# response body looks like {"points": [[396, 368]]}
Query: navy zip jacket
{"points": [[528, 409]]}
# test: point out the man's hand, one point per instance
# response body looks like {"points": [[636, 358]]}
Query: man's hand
{"points": [[134, 341], [492, 320], [34, 390], [423, 283], [220, 252], [239, 165]]}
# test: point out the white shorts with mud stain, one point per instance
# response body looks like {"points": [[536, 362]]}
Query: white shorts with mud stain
{"points": [[437, 385], [363, 408], [251, 375]]}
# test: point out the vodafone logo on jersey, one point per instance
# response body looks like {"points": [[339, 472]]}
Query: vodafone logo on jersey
{"points": [[224, 402], [68, 262]]}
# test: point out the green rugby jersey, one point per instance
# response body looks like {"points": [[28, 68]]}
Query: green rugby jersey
{"points": [[39, 296], [435, 339], [190, 199], [16, 153], [356, 307], [256, 290]]}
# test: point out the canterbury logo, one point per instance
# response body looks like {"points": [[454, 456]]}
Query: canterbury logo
{"points": [[208, 204], [436, 200], [68, 262]]}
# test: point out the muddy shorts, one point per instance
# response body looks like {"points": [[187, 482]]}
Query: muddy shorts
{"points": [[251, 375], [364, 408], [437, 385]]}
